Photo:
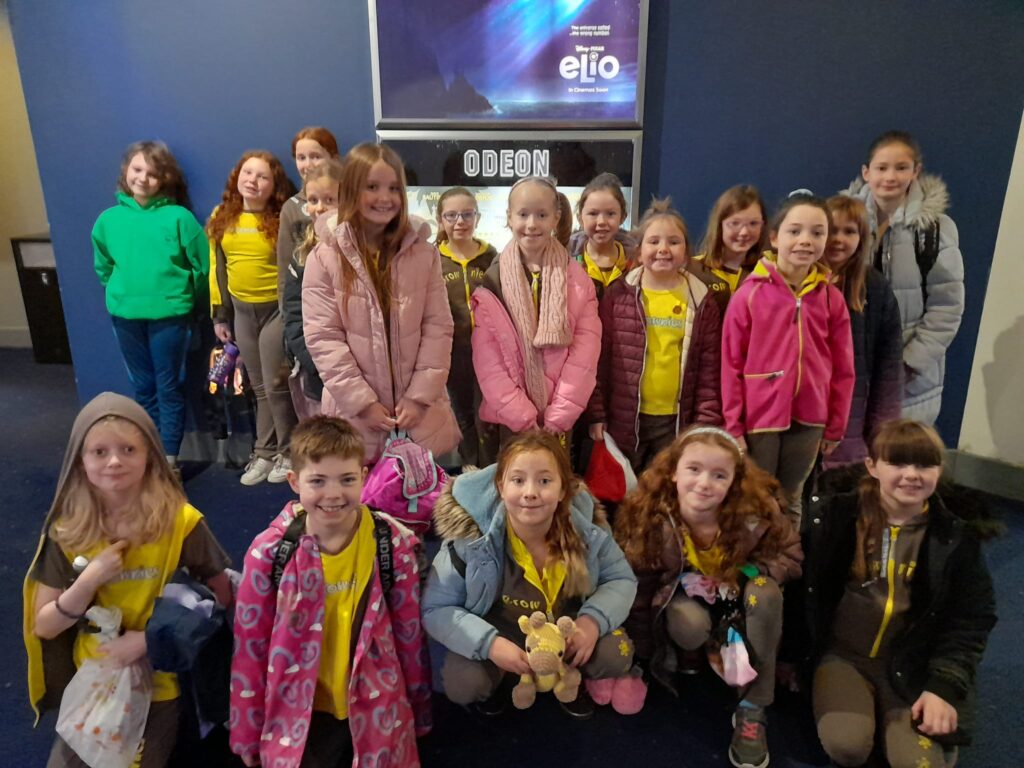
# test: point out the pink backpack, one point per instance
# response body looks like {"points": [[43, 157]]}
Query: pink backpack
{"points": [[405, 483]]}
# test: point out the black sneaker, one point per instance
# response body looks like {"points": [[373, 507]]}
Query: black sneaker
{"points": [[497, 702], [581, 708], [749, 745]]}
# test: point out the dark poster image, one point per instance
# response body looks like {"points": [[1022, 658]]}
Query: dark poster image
{"points": [[488, 165], [572, 63]]}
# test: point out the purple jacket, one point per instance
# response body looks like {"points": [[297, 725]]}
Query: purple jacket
{"points": [[277, 656], [616, 398], [786, 358]]}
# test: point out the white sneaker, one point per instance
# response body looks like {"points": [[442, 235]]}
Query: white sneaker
{"points": [[257, 470], [282, 466]]}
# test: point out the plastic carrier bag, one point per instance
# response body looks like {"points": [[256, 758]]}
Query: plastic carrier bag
{"points": [[405, 483], [609, 475], [104, 708]]}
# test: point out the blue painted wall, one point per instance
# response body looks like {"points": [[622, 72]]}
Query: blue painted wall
{"points": [[211, 79], [784, 95], [789, 94]]}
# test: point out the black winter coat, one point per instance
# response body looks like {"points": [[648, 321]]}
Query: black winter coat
{"points": [[294, 337], [878, 362], [952, 603]]}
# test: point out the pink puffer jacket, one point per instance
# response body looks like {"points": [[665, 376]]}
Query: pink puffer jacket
{"points": [[570, 373], [350, 346]]}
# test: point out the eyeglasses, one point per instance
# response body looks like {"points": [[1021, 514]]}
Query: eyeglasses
{"points": [[453, 216]]}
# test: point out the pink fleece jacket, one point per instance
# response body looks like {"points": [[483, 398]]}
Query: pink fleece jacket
{"points": [[350, 345], [570, 373], [277, 657], [786, 358]]}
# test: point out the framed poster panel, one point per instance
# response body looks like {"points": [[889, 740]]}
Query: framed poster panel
{"points": [[488, 164], [508, 63]]}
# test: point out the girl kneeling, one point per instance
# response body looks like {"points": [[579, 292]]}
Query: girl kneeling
{"points": [[521, 536], [899, 605], [710, 547]]}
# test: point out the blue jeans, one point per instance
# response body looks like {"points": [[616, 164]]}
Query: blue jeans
{"points": [[154, 353]]}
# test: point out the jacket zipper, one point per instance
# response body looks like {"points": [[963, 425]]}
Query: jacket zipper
{"points": [[888, 547], [800, 345], [643, 365], [769, 375], [469, 306]]}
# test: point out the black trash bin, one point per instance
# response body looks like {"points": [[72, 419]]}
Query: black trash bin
{"points": [[37, 273]]}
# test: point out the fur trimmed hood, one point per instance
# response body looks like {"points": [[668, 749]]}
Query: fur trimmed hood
{"points": [[466, 507], [927, 199]]}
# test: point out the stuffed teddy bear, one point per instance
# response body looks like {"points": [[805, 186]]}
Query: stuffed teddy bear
{"points": [[545, 647]]}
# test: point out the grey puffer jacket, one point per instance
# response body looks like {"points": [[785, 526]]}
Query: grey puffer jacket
{"points": [[928, 327]]}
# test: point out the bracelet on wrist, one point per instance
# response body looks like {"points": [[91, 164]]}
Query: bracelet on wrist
{"points": [[65, 613]]}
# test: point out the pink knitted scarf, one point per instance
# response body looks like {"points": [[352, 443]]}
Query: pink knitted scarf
{"points": [[538, 330]]}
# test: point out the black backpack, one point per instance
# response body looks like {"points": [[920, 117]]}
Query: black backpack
{"points": [[926, 251], [290, 540]]}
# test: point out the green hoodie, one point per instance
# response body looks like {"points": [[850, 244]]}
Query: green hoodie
{"points": [[152, 259]]}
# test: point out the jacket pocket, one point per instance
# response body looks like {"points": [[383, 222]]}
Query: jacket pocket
{"points": [[761, 393]]}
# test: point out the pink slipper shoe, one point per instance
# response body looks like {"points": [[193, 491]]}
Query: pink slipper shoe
{"points": [[629, 692], [601, 690]]}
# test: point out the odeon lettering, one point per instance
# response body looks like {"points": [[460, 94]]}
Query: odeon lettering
{"points": [[506, 163]]}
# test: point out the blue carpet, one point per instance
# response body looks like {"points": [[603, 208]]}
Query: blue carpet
{"points": [[37, 406]]}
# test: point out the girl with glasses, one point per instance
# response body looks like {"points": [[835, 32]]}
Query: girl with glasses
{"points": [[464, 261]]}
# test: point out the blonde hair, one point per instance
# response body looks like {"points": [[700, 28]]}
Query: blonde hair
{"points": [[329, 169], [79, 519], [563, 540]]}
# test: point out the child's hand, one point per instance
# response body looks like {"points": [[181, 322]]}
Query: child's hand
{"points": [[377, 418], [743, 444], [409, 413], [223, 332], [106, 565], [596, 432], [935, 716], [129, 647], [828, 446], [581, 645], [508, 656]]}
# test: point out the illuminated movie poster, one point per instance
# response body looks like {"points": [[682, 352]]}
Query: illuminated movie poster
{"points": [[489, 163], [566, 63]]}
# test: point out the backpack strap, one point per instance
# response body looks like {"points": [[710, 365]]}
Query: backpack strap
{"points": [[457, 562], [286, 547], [926, 251], [385, 558], [290, 540]]}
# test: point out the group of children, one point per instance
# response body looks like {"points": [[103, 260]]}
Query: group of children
{"points": [[723, 376]]}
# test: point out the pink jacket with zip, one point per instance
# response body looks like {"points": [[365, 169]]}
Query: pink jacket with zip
{"points": [[278, 635], [350, 346], [786, 357], [570, 373]]}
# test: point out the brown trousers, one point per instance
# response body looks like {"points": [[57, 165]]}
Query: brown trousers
{"points": [[689, 627], [466, 681], [259, 334], [157, 740], [849, 699], [790, 456]]}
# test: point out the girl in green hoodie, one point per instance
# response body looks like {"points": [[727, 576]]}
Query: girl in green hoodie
{"points": [[152, 258]]}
